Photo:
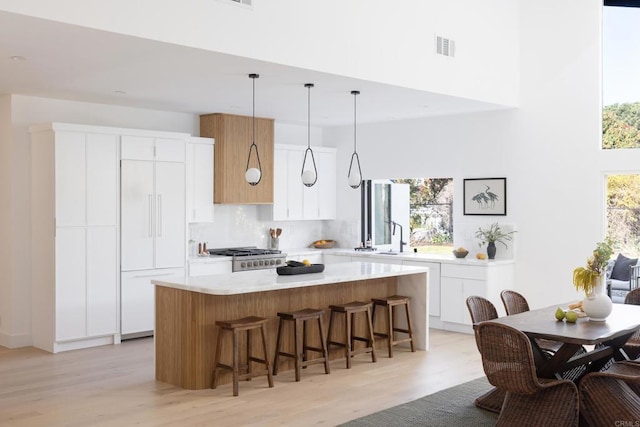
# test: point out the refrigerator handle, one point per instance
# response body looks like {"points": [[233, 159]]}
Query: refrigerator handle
{"points": [[159, 207], [150, 209]]}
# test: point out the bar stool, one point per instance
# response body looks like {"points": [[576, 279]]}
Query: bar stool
{"points": [[299, 319], [349, 310], [390, 303], [247, 324]]}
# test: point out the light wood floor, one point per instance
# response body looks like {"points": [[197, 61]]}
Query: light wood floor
{"points": [[115, 386]]}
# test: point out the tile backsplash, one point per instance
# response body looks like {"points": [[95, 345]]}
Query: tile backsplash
{"points": [[240, 225]]}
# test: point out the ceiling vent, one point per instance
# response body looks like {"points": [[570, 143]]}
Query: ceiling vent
{"points": [[445, 46]]}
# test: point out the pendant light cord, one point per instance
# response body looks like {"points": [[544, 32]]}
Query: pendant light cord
{"points": [[309, 86], [355, 94]]}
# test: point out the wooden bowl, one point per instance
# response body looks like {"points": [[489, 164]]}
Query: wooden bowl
{"points": [[328, 244], [460, 254]]}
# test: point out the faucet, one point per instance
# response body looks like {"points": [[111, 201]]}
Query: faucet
{"points": [[402, 242]]}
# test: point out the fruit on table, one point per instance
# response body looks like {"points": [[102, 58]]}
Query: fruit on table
{"points": [[576, 305], [571, 316], [560, 313], [306, 262], [461, 249], [481, 256]]}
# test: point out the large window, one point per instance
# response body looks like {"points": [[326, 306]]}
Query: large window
{"points": [[623, 213], [621, 68]]}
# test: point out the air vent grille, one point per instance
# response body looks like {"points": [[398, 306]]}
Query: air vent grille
{"points": [[445, 46]]}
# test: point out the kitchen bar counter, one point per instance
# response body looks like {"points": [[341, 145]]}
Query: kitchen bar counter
{"points": [[188, 307], [269, 280]]}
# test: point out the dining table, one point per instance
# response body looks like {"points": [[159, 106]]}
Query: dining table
{"points": [[586, 345]]}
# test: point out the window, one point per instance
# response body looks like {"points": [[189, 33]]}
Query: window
{"points": [[623, 213], [620, 68], [430, 214]]}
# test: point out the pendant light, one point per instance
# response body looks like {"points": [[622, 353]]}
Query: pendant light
{"points": [[253, 175], [309, 177], [355, 177]]}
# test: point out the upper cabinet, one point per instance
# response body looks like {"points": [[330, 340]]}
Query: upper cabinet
{"points": [[233, 136], [200, 179], [292, 199]]}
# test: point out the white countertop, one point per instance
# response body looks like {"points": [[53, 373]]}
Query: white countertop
{"points": [[269, 280], [379, 255]]}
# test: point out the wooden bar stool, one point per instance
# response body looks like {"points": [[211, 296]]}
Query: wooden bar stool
{"points": [[349, 310], [236, 326], [390, 303], [299, 319]]}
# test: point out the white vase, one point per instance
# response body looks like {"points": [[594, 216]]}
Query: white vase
{"points": [[597, 305]]}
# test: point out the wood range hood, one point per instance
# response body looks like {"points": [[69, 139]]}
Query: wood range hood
{"points": [[233, 136]]}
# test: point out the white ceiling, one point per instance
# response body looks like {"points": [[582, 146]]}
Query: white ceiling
{"points": [[75, 63]]}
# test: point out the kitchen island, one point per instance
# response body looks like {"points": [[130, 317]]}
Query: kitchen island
{"points": [[188, 307]]}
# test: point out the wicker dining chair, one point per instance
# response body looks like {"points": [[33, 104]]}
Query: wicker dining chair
{"points": [[632, 347], [513, 302], [507, 359], [609, 397], [480, 310]]}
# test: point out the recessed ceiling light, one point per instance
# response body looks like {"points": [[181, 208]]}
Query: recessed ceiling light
{"points": [[120, 92], [17, 58]]}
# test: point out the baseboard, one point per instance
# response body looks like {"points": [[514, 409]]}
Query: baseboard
{"points": [[15, 341]]}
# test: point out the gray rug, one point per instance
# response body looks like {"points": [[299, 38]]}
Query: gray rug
{"points": [[451, 407]]}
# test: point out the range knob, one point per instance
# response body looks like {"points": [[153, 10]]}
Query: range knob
{"points": [[255, 263], [261, 263], [278, 262], [272, 262], [243, 264]]}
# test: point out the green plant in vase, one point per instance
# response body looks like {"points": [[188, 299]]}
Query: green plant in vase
{"points": [[587, 278], [491, 235]]}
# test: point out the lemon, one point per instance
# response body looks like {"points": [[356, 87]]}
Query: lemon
{"points": [[306, 262], [481, 256]]}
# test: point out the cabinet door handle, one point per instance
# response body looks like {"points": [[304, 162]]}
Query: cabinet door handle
{"points": [[159, 207], [150, 209]]}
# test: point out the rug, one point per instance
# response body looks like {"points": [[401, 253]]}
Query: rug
{"points": [[451, 407]]}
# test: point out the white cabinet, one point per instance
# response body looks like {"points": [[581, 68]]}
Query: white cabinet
{"points": [[152, 212], [458, 282], [138, 299], [153, 222], [209, 268], [292, 199], [199, 165], [74, 233]]}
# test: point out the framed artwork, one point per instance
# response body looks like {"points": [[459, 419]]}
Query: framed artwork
{"points": [[485, 196]]}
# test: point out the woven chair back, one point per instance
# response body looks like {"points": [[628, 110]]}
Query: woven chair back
{"points": [[633, 297], [507, 358], [481, 309], [514, 302]]}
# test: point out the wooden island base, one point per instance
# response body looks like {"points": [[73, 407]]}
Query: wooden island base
{"points": [[185, 333]]}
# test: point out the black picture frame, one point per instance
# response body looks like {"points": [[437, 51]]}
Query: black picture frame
{"points": [[485, 196]]}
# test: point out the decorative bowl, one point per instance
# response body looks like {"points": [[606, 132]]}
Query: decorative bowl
{"points": [[460, 254], [323, 244]]}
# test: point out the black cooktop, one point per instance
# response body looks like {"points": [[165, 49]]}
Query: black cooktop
{"points": [[248, 251]]}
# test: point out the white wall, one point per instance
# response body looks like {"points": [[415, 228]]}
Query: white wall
{"points": [[6, 253], [548, 149], [385, 41]]}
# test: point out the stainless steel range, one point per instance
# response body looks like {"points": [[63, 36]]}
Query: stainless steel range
{"points": [[251, 258]]}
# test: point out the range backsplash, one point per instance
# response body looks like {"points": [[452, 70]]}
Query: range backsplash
{"points": [[239, 225]]}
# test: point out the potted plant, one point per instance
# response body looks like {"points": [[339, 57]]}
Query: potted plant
{"points": [[590, 279], [492, 235], [587, 278]]}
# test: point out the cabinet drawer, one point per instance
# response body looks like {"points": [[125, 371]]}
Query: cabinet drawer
{"points": [[464, 271]]}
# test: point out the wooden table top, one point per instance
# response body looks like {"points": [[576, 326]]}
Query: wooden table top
{"points": [[541, 323]]}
